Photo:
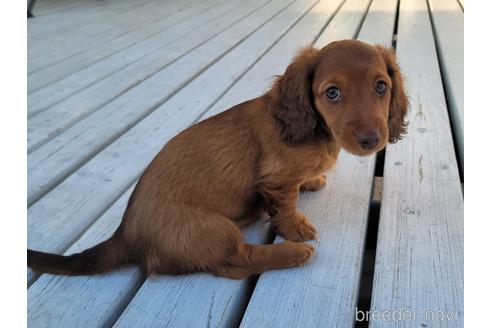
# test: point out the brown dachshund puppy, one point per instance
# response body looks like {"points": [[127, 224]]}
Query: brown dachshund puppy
{"points": [[251, 160]]}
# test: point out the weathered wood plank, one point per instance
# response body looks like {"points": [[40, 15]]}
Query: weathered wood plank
{"points": [[39, 45], [52, 7], [61, 156], [108, 26], [61, 116], [102, 22], [324, 293], [59, 217], [94, 11], [43, 26], [448, 21], [47, 7], [419, 260], [70, 46], [176, 31], [169, 302], [150, 23]]}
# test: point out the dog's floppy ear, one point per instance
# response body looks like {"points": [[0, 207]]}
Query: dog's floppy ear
{"points": [[399, 104], [291, 94]]}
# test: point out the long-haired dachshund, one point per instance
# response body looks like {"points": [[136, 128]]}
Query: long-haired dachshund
{"points": [[248, 162]]}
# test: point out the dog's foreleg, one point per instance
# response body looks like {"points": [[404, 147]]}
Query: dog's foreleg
{"points": [[289, 222], [314, 184]]}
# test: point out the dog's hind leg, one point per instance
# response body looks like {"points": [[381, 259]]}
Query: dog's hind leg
{"points": [[213, 243], [254, 259]]}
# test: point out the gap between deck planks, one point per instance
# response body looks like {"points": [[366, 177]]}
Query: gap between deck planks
{"points": [[232, 309], [419, 258], [325, 293], [447, 21]]}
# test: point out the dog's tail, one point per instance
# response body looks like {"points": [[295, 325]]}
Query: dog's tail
{"points": [[98, 259]]}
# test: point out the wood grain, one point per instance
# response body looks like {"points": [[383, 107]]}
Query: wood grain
{"points": [[419, 259], [92, 49], [448, 22], [104, 81]]}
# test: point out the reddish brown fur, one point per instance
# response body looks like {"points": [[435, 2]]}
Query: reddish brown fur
{"points": [[249, 161]]}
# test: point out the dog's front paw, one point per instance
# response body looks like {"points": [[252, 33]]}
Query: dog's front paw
{"points": [[314, 184], [298, 229]]}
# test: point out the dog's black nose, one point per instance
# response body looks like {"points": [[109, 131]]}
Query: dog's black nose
{"points": [[368, 139]]}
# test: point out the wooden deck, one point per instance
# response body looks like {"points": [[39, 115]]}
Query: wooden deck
{"points": [[110, 82]]}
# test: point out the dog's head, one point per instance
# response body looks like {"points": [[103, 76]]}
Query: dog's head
{"points": [[350, 88]]}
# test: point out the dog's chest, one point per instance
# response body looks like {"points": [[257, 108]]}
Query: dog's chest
{"points": [[326, 158]]}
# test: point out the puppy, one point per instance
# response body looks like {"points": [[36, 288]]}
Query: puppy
{"points": [[250, 161]]}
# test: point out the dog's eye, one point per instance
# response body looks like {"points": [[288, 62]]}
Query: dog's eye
{"points": [[380, 87], [333, 93]]}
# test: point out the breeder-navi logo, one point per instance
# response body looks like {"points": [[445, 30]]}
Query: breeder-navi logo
{"points": [[405, 315]]}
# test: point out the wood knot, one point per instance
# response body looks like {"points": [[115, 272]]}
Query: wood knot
{"points": [[410, 211]]}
